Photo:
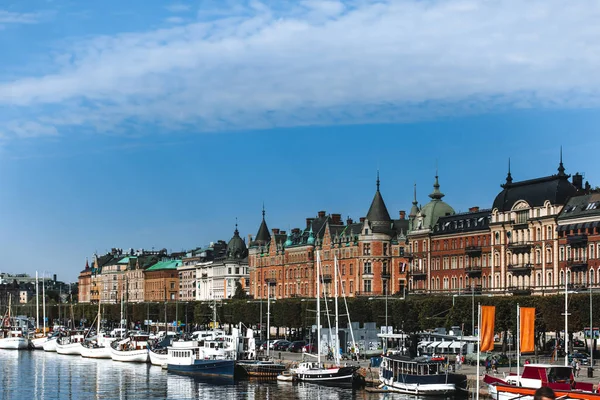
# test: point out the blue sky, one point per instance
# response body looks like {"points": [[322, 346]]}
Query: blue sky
{"points": [[145, 124]]}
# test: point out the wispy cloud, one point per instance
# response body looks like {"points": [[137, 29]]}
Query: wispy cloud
{"points": [[322, 62], [7, 17], [175, 20], [178, 7]]}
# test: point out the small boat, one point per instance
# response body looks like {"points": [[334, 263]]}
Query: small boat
{"points": [[70, 343], [158, 351], [11, 336], [97, 347], [209, 360], [420, 376], [50, 344], [38, 342], [286, 376], [559, 378], [131, 349]]}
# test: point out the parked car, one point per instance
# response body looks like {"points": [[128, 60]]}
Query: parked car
{"points": [[264, 345], [582, 356], [272, 343], [281, 345], [258, 343], [310, 348], [296, 347]]}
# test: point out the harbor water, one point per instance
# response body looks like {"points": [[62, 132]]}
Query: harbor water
{"points": [[48, 376]]}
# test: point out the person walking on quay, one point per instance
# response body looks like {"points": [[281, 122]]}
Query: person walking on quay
{"points": [[544, 393], [577, 368]]}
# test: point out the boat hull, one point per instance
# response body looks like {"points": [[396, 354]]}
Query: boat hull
{"points": [[14, 343], [50, 345], [138, 356], [71, 349], [343, 376], [157, 358], [259, 369], [95, 352], [38, 343], [208, 368]]}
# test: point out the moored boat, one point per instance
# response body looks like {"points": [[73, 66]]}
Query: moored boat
{"points": [[261, 369], [70, 343], [559, 378], [190, 358], [131, 349], [12, 339], [420, 376], [50, 344], [286, 376]]}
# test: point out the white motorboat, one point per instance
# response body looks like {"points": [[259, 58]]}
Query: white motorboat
{"points": [[50, 344], [131, 349], [11, 336], [38, 343], [286, 376], [98, 347], [70, 344]]}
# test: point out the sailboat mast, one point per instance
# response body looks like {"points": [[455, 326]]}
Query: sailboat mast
{"points": [[37, 303], [566, 340], [318, 308], [337, 328], [268, 317], [98, 328], [44, 302]]}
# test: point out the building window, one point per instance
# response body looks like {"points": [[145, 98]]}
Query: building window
{"points": [[522, 216], [351, 269], [385, 249], [351, 286], [343, 269], [366, 249], [367, 269]]}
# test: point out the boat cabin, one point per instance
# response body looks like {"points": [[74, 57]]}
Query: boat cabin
{"points": [[537, 375], [394, 366]]}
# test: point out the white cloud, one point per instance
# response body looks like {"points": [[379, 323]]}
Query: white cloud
{"points": [[175, 20], [323, 63], [178, 7], [7, 17]]}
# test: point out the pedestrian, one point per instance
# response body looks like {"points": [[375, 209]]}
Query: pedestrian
{"points": [[577, 368], [544, 393]]}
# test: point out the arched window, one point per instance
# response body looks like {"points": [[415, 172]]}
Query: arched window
{"points": [[561, 278]]}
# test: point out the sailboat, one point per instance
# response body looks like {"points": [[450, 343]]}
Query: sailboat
{"points": [[131, 348], [98, 347], [11, 337], [69, 342], [316, 372], [40, 338]]}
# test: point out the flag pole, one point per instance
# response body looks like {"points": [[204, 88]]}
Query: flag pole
{"points": [[478, 348], [518, 340]]}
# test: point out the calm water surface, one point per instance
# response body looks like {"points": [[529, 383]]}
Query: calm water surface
{"points": [[49, 376]]}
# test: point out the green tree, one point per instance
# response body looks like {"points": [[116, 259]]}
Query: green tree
{"points": [[240, 293]]}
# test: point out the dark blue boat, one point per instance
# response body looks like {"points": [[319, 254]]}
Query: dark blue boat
{"points": [[208, 368], [209, 359]]}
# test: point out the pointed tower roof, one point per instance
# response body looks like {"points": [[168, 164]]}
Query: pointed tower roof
{"points": [[378, 215], [436, 208], [561, 167], [262, 236], [414, 210], [436, 194], [236, 248]]}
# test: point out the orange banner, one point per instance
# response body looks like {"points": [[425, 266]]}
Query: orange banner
{"points": [[488, 317], [527, 329]]}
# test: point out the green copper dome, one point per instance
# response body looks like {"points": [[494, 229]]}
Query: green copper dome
{"points": [[236, 248], [436, 208]]}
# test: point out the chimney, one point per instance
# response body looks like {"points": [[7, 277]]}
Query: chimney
{"points": [[362, 219], [309, 222], [321, 214], [402, 214], [578, 181], [336, 219], [275, 231], [349, 221], [296, 230], [473, 209]]}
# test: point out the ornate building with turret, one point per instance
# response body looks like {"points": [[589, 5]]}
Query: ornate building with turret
{"points": [[368, 254]]}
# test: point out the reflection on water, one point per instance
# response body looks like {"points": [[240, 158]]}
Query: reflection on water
{"points": [[50, 376]]}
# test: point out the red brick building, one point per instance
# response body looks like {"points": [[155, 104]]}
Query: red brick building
{"points": [[370, 255]]}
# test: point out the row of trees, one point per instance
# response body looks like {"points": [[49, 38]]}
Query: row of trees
{"points": [[413, 314]]}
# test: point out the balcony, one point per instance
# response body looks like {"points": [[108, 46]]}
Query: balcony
{"points": [[326, 278], [473, 251], [520, 247], [385, 274], [418, 274], [473, 271], [518, 291], [520, 269], [370, 294], [367, 273], [577, 265], [577, 241], [271, 281], [520, 226], [472, 290]]}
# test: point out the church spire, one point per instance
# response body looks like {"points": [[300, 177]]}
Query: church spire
{"points": [[414, 210], [436, 194], [561, 168], [378, 180], [509, 176]]}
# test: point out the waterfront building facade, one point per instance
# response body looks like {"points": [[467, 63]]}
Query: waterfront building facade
{"points": [[161, 281], [85, 284], [579, 241], [524, 232], [369, 253], [460, 252]]}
